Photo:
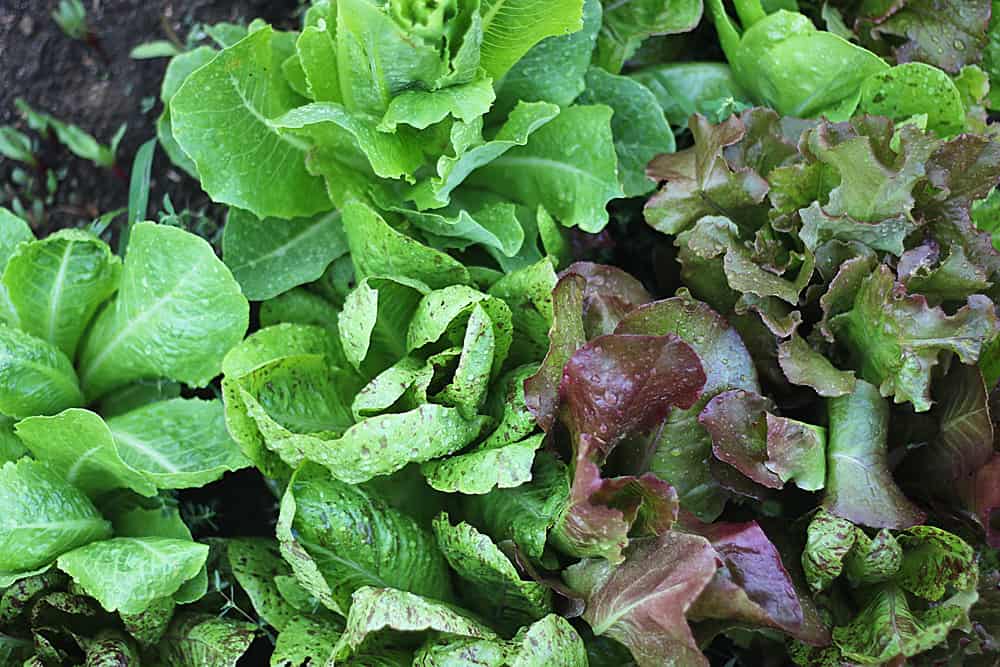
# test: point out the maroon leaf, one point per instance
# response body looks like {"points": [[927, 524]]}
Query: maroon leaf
{"points": [[642, 602], [608, 295], [737, 422]]}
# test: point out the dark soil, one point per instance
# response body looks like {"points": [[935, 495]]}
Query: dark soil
{"points": [[94, 84]]}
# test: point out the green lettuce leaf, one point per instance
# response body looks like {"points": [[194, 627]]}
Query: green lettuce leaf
{"points": [[129, 574], [268, 257], [512, 27], [491, 585], [573, 179], [627, 25], [340, 538], [36, 378], [640, 129], [177, 313], [859, 485], [57, 284], [243, 87], [44, 517], [377, 609]]}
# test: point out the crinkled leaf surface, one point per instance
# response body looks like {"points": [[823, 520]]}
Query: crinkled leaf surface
{"points": [[376, 609], [339, 538], [490, 584], [511, 27], [205, 640], [222, 118], [57, 284], [177, 312], [572, 178], [36, 378], [640, 129], [44, 516], [129, 573]]}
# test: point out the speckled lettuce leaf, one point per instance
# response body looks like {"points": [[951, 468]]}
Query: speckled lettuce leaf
{"points": [[379, 250], [306, 640], [339, 538], [375, 610], [911, 89], [829, 539], [111, 647], [149, 627], [205, 640], [935, 562], [528, 294], [873, 559], [700, 181], [573, 179], [129, 574], [243, 87], [805, 366], [177, 312], [271, 256], [491, 586], [887, 628], [553, 70], [375, 317], [255, 563], [36, 378], [640, 129], [549, 641], [642, 602], [895, 339], [253, 359], [859, 484], [57, 284], [380, 445], [526, 513], [512, 27], [43, 517], [681, 452], [447, 316]]}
